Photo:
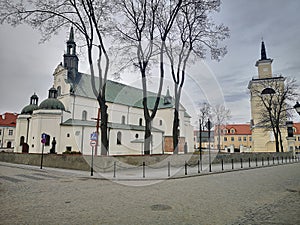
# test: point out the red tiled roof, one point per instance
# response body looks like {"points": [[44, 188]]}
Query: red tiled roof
{"points": [[8, 119], [297, 126], [239, 129]]}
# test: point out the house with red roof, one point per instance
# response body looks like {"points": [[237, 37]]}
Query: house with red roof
{"points": [[296, 129], [234, 137], [7, 130]]}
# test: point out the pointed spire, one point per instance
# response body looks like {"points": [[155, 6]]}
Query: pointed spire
{"points": [[263, 51], [71, 36]]}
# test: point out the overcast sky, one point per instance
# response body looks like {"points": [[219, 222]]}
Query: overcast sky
{"points": [[27, 66]]}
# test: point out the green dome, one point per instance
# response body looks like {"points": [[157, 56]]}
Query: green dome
{"points": [[29, 109], [52, 103]]}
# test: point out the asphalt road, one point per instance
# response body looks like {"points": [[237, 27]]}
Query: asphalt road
{"points": [[269, 195]]}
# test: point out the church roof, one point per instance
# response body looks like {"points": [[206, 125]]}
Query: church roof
{"points": [[29, 109], [52, 103], [117, 93]]}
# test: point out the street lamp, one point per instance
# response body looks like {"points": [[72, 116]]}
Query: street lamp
{"points": [[297, 107]]}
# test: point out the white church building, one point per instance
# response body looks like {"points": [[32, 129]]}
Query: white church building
{"points": [[68, 116]]}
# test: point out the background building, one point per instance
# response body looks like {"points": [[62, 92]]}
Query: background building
{"points": [[235, 138], [7, 131]]}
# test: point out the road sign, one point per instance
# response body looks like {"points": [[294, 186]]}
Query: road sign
{"points": [[94, 136], [93, 143], [44, 136]]}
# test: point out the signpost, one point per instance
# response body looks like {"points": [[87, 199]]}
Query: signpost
{"points": [[43, 141], [93, 143]]}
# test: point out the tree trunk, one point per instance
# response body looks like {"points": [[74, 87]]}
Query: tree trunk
{"points": [[175, 131], [280, 140], [148, 137], [103, 127]]}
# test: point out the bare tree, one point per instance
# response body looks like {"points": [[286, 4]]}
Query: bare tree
{"points": [[205, 111], [194, 32], [89, 17], [143, 29], [274, 98], [220, 117]]}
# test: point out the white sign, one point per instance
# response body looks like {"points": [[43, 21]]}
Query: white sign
{"points": [[93, 143]]}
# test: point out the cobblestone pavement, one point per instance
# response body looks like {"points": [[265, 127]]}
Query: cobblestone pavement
{"points": [[29, 195]]}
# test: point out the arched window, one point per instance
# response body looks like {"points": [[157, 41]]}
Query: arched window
{"points": [[59, 91], [22, 140], [84, 115], [141, 122], [119, 138], [123, 119], [232, 131]]}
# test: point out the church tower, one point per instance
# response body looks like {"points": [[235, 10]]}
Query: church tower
{"points": [[70, 58], [263, 87], [264, 64]]}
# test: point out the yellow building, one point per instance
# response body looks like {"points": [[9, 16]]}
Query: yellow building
{"points": [[264, 87], [234, 138]]}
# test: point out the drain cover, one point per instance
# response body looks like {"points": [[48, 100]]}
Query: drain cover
{"points": [[160, 207]]}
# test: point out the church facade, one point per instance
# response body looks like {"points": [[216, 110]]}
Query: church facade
{"points": [[68, 117]]}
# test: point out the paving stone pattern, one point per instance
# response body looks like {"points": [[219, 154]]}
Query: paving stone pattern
{"points": [[268, 195]]}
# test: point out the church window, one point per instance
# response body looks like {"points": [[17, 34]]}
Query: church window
{"points": [[84, 115], [119, 138], [47, 143], [244, 138], [8, 144], [240, 138], [225, 131], [160, 122], [68, 135], [232, 131], [22, 140], [141, 122], [232, 138], [58, 91], [225, 138], [10, 132], [136, 135], [250, 138], [123, 119]]}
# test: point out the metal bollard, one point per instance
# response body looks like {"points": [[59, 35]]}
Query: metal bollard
{"points": [[115, 169], [256, 161], [241, 163], [232, 166], [268, 161], [185, 168], [222, 164], [169, 169], [198, 166], [143, 169], [273, 160], [249, 162], [262, 161]]}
